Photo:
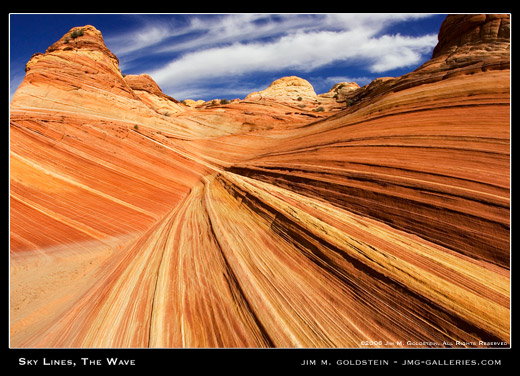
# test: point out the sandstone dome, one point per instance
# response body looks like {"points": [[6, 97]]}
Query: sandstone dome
{"points": [[290, 88]]}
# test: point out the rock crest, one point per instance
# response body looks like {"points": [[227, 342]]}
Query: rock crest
{"points": [[85, 38], [144, 82], [468, 44], [341, 91], [80, 62], [472, 30], [291, 89]]}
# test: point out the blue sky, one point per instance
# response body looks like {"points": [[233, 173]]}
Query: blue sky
{"points": [[208, 56]]}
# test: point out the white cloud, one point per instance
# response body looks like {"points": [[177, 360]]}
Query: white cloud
{"points": [[301, 51], [204, 30], [208, 30], [395, 51], [220, 90], [130, 42]]}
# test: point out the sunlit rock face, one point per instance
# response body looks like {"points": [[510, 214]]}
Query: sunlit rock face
{"points": [[151, 94], [291, 89], [137, 221]]}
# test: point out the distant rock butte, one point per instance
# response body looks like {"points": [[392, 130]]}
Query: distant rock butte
{"points": [[86, 38], [138, 221], [340, 92], [150, 93], [464, 32], [286, 88], [341, 88], [194, 103], [144, 82]]}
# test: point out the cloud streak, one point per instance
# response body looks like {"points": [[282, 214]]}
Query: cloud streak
{"points": [[303, 52]]}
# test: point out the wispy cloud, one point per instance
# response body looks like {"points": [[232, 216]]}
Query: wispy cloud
{"points": [[302, 51], [191, 51], [230, 90], [177, 34], [150, 35], [16, 77]]}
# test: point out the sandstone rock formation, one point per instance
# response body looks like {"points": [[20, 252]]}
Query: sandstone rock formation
{"points": [[340, 90], [471, 33], [258, 223], [150, 93], [339, 95], [193, 103], [468, 44], [291, 89]]}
